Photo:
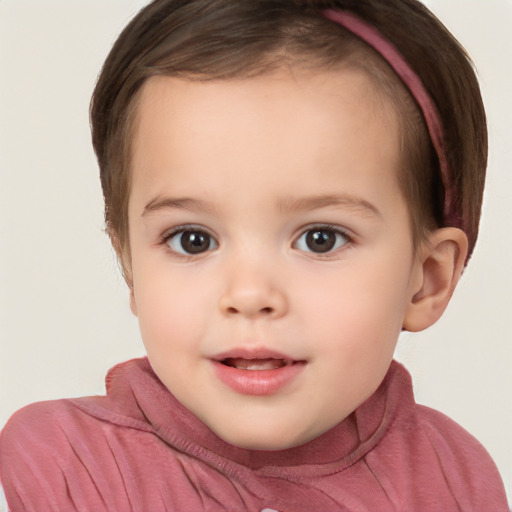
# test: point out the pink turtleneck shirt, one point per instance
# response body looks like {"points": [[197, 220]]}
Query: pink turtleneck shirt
{"points": [[138, 449]]}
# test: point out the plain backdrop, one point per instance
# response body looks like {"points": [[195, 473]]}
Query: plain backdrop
{"points": [[64, 314]]}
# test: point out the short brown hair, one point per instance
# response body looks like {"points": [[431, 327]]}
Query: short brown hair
{"points": [[222, 39]]}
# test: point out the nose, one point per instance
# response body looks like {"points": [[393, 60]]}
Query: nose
{"points": [[253, 291]]}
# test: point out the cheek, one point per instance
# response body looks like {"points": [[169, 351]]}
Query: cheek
{"points": [[358, 310], [171, 306], [354, 327]]}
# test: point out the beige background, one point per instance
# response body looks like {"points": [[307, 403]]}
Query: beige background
{"points": [[64, 316]]}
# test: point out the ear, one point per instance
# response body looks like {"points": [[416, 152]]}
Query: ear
{"points": [[124, 259], [126, 266], [133, 304], [440, 265]]}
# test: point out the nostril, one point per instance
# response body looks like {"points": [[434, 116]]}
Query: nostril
{"points": [[265, 311], [252, 302]]}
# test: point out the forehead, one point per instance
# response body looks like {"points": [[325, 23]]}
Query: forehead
{"points": [[292, 124]]}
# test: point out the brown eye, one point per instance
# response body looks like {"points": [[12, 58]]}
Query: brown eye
{"points": [[321, 240], [191, 242]]}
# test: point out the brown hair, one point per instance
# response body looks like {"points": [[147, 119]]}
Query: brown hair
{"points": [[222, 39]]}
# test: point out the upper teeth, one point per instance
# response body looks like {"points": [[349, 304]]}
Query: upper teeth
{"points": [[255, 364]]}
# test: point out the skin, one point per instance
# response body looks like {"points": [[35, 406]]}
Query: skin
{"points": [[255, 165]]}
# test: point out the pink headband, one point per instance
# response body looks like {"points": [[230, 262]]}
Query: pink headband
{"points": [[391, 54]]}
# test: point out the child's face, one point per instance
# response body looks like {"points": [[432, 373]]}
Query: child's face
{"points": [[267, 224]]}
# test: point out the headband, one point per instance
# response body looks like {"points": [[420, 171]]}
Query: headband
{"points": [[390, 53]]}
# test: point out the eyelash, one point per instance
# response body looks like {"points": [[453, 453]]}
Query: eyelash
{"points": [[336, 230], [169, 235], [318, 228]]}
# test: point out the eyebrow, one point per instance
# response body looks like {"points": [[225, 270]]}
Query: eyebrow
{"points": [[169, 203], [287, 205], [294, 204]]}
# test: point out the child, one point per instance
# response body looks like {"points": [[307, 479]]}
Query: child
{"points": [[288, 185]]}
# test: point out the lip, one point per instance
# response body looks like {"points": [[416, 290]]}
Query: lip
{"points": [[256, 382]]}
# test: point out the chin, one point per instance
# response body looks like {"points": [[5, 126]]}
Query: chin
{"points": [[272, 441]]}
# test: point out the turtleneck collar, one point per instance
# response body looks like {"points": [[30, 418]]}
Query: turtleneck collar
{"points": [[137, 398]]}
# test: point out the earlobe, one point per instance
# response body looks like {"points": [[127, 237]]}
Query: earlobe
{"points": [[441, 264], [124, 260], [133, 304]]}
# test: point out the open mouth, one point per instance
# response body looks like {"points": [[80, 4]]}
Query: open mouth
{"points": [[258, 372], [256, 364]]}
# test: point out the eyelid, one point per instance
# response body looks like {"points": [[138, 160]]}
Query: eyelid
{"points": [[327, 227], [171, 233]]}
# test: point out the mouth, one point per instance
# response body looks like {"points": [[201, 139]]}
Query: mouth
{"points": [[257, 372], [241, 363]]}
